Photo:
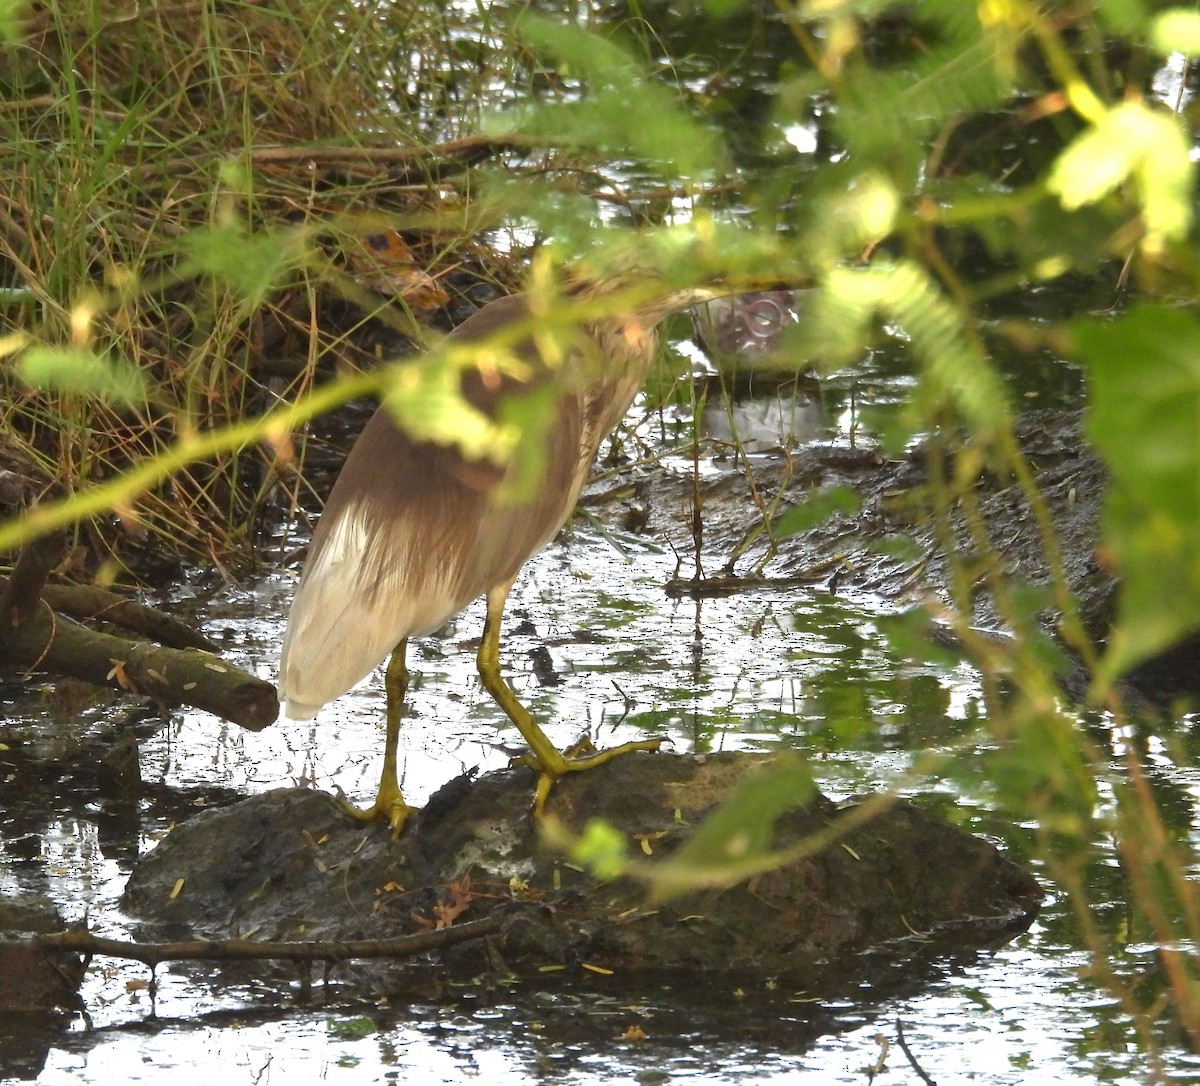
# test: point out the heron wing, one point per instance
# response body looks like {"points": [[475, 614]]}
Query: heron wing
{"points": [[413, 532], [386, 562]]}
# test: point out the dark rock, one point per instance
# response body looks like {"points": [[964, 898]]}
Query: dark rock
{"points": [[289, 865], [29, 913], [120, 769]]}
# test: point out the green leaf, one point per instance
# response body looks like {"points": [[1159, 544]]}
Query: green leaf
{"points": [[885, 115], [1044, 236], [658, 131], [1176, 30], [1122, 16], [736, 840], [1132, 142], [722, 8], [601, 848], [12, 18], [352, 1029], [816, 509], [82, 372], [914, 635], [568, 217], [1144, 419], [1045, 759], [249, 264], [527, 415]]}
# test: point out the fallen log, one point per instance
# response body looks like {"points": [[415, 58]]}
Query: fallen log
{"points": [[53, 642], [33, 634], [88, 603], [23, 590]]}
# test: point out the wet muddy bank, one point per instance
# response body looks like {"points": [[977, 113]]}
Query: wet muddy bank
{"points": [[718, 521]]}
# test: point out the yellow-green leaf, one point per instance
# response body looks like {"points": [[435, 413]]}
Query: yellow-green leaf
{"points": [[1176, 30], [1131, 143], [80, 371]]}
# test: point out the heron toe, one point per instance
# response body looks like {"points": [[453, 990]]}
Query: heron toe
{"points": [[389, 807], [575, 761]]}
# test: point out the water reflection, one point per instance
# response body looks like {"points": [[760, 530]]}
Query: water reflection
{"points": [[738, 672], [767, 1032], [593, 645]]}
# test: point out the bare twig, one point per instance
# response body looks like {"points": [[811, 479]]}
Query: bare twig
{"points": [[224, 950], [909, 1056], [691, 587]]}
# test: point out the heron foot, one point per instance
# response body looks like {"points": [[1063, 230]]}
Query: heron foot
{"points": [[389, 807], [582, 756]]}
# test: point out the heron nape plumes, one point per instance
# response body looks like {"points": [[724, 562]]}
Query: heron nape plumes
{"points": [[413, 531]]}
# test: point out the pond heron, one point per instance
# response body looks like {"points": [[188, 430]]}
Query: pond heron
{"points": [[413, 531]]}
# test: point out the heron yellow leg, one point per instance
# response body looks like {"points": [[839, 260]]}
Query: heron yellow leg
{"points": [[389, 805], [544, 757]]}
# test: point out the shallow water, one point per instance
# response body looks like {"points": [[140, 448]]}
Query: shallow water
{"points": [[767, 668], [593, 644]]}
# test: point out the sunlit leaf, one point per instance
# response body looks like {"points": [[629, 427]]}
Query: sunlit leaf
{"points": [[1176, 30], [82, 372], [1145, 403], [736, 839], [601, 848], [839, 325], [427, 401], [1131, 143], [954, 369], [852, 216]]}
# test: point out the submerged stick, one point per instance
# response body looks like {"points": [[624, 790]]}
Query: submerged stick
{"points": [[83, 941]]}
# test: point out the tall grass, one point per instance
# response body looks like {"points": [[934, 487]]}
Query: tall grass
{"points": [[157, 207]]}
